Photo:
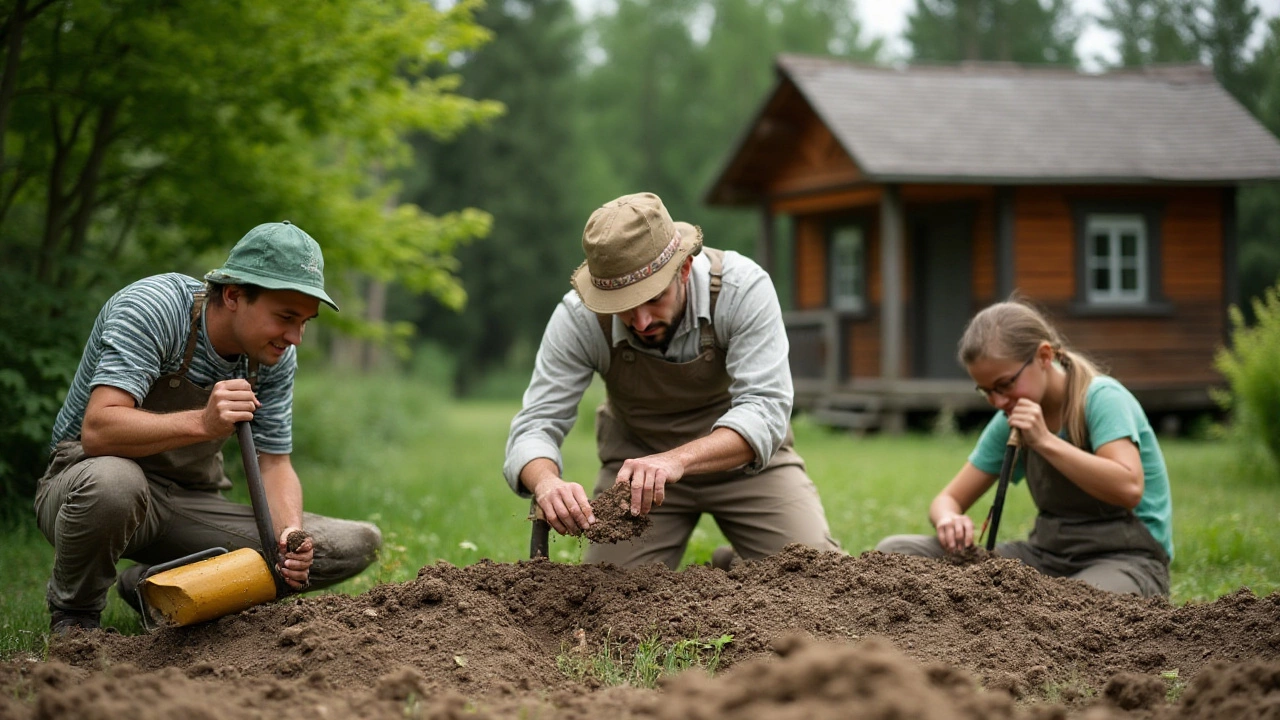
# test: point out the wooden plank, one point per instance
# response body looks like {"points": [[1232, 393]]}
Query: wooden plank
{"points": [[811, 264], [818, 161], [867, 196]]}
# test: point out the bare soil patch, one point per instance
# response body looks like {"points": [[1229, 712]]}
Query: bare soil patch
{"points": [[815, 636]]}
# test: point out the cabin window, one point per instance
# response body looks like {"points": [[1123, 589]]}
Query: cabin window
{"points": [[847, 262], [1117, 252], [1115, 262]]}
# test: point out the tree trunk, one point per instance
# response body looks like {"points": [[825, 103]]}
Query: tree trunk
{"points": [[87, 187], [9, 80], [375, 312]]}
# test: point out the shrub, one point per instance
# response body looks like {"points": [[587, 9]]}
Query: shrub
{"points": [[1252, 369]]}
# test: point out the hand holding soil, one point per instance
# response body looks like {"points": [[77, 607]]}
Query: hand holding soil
{"points": [[614, 521]]}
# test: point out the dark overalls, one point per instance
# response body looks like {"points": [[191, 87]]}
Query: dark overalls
{"points": [[654, 405], [1076, 535]]}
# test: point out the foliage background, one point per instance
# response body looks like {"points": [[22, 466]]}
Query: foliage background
{"points": [[146, 136]]}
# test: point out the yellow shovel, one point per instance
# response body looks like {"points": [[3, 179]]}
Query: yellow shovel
{"points": [[213, 583]]}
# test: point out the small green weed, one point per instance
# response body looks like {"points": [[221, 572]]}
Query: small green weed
{"points": [[652, 659], [1174, 684], [1070, 691]]}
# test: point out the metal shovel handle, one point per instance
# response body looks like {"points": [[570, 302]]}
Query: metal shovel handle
{"points": [[258, 498]]}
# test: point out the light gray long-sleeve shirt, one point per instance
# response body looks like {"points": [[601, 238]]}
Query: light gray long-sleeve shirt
{"points": [[748, 323]]}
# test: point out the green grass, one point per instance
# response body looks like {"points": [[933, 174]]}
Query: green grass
{"points": [[428, 470], [616, 663]]}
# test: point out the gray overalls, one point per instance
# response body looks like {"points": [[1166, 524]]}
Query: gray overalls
{"points": [[1076, 535], [96, 510], [654, 405]]}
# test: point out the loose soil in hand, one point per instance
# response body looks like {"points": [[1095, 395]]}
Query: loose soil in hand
{"points": [[815, 636], [614, 521]]}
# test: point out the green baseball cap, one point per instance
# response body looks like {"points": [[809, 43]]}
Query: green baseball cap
{"points": [[276, 256]]}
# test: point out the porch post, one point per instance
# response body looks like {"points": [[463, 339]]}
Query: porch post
{"points": [[891, 284], [1004, 243], [765, 242]]}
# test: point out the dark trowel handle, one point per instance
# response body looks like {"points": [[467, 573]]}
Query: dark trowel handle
{"points": [[261, 510], [540, 536], [1006, 472]]}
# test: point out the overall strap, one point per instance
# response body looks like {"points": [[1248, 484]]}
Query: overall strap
{"points": [[606, 324], [198, 301], [707, 340]]}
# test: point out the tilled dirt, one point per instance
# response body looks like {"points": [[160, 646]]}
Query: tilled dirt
{"points": [[815, 636]]}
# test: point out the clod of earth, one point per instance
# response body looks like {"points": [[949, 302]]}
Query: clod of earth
{"points": [[815, 635], [295, 540], [614, 521]]}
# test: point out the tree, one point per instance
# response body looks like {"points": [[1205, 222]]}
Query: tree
{"points": [[1019, 31], [1259, 204], [141, 136], [1151, 31], [668, 105], [523, 169]]}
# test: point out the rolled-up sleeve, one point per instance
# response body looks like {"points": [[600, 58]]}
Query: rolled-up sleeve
{"points": [[561, 373], [760, 376]]}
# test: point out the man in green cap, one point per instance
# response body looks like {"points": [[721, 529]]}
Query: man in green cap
{"points": [[170, 367]]}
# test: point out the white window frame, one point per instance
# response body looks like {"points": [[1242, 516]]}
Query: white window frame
{"points": [[847, 276], [1114, 225]]}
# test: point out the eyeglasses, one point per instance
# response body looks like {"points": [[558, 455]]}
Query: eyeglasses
{"points": [[1003, 387]]}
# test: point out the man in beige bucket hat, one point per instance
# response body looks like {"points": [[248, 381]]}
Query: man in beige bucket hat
{"points": [[693, 354], [171, 366]]}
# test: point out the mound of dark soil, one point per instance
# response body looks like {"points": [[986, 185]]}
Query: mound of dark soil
{"points": [[887, 636]]}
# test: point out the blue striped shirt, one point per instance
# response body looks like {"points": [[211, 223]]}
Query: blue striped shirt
{"points": [[141, 334]]}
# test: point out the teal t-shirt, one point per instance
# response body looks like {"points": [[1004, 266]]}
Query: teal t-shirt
{"points": [[1111, 412]]}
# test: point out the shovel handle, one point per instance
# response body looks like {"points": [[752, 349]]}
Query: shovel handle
{"points": [[258, 498], [1006, 471], [540, 536]]}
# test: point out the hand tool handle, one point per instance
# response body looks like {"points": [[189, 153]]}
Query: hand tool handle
{"points": [[1006, 471], [540, 537], [258, 498]]}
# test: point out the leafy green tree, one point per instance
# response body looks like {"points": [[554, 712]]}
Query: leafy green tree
{"points": [[1020, 31], [1222, 28], [679, 81], [1151, 31], [524, 170], [143, 136], [1259, 204]]}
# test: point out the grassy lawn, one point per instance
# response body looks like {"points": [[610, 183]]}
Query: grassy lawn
{"points": [[429, 471]]}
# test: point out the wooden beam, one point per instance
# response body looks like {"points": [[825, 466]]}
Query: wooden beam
{"points": [[891, 309], [1004, 242], [1230, 261], [765, 243]]}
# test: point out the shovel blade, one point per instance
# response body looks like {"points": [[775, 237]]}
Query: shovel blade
{"points": [[210, 589]]}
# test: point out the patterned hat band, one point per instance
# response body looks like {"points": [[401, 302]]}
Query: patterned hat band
{"points": [[636, 276]]}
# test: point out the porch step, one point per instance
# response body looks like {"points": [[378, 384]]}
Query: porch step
{"points": [[851, 419], [856, 412]]}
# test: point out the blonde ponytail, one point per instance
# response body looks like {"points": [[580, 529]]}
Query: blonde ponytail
{"points": [[1014, 331]]}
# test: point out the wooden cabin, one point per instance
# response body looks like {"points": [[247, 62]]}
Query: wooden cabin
{"points": [[917, 196]]}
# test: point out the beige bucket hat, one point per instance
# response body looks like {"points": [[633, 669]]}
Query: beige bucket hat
{"points": [[633, 250]]}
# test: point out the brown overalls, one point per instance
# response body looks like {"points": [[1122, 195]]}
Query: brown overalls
{"points": [[1076, 535], [653, 405], [96, 510]]}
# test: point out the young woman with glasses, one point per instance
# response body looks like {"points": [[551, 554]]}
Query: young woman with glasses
{"points": [[1089, 455]]}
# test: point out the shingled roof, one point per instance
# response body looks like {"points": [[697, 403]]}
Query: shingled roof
{"points": [[1000, 124]]}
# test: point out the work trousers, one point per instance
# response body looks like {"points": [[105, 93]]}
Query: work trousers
{"points": [[96, 510], [759, 514], [1115, 572]]}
